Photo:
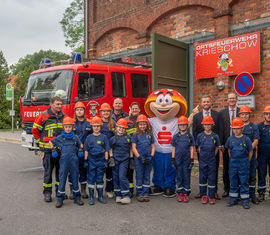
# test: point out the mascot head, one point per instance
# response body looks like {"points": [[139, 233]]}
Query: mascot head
{"points": [[165, 104]]}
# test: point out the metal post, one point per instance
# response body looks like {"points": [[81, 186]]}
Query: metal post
{"points": [[12, 109]]}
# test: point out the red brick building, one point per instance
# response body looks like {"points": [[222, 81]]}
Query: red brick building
{"points": [[116, 28]]}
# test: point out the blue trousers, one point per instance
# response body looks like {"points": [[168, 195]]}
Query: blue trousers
{"points": [[95, 172], [120, 180], [239, 175], [263, 162], [207, 174], [252, 176], [164, 173], [69, 163], [49, 163], [143, 172], [183, 176], [82, 173]]}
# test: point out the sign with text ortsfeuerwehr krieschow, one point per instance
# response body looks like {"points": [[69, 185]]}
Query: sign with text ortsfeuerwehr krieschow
{"points": [[228, 56]]}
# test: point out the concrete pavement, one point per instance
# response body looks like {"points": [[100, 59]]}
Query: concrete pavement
{"points": [[11, 137]]}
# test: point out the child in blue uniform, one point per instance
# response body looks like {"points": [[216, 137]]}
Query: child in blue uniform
{"points": [[82, 128], [96, 147], [143, 147], [107, 129], [70, 145], [240, 153], [250, 130], [182, 158], [121, 152], [208, 143], [263, 152]]}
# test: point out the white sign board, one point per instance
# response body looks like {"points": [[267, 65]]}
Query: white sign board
{"points": [[246, 100], [11, 112]]}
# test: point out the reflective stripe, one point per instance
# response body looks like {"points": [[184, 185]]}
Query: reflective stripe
{"points": [[61, 192], [76, 191], [109, 179], [116, 190], [262, 186], [131, 185], [37, 126], [85, 182], [252, 186], [203, 185], [91, 186], [146, 186], [47, 185], [180, 188], [56, 183], [210, 186], [244, 195], [131, 131], [187, 189], [126, 191], [50, 133], [100, 186], [233, 194], [138, 186]]}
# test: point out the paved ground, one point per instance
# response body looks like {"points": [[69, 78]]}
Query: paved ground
{"points": [[24, 212]]}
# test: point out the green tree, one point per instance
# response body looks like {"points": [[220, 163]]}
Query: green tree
{"points": [[5, 119], [73, 25]]}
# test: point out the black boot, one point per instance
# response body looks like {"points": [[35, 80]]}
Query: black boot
{"points": [[261, 196], [47, 197], [83, 191], [79, 202], [59, 204], [71, 192]]}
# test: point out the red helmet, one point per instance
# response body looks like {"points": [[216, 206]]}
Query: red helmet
{"points": [[245, 109], [68, 121], [96, 121], [79, 105], [208, 120], [122, 122], [237, 123], [182, 120], [142, 118], [267, 109], [105, 106]]}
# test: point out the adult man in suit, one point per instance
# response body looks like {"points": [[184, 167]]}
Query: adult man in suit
{"points": [[228, 115], [206, 103]]}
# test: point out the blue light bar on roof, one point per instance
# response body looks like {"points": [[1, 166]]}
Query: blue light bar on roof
{"points": [[46, 63], [77, 58]]}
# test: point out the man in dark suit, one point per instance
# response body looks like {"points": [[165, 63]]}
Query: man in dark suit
{"points": [[197, 128], [228, 115]]}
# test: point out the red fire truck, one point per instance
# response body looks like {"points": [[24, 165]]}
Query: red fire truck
{"points": [[92, 83]]}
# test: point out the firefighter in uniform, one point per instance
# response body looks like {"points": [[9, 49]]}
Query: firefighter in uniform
{"points": [[46, 127], [131, 121]]}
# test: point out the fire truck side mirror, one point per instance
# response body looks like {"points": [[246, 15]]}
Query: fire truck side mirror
{"points": [[76, 99]]}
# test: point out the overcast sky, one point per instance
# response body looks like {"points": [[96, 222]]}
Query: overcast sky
{"points": [[27, 26]]}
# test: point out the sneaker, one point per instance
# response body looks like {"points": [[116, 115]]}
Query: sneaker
{"points": [[146, 198], [110, 194], [140, 199], [246, 205], [155, 190], [255, 200], [125, 200], [232, 203], [118, 199], [204, 199], [181, 197], [261, 196], [79, 202], [59, 204], [47, 198], [186, 199], [212, 201], [198, 196], [168, 192]]}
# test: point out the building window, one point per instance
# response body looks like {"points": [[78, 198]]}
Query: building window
{"points": [[118, 85], [139, 85], [91, 86]]}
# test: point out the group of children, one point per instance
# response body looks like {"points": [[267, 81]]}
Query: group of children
{"points": [[108, 148]]}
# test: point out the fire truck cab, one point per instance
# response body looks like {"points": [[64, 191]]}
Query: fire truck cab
{"points": [[92, 83]]}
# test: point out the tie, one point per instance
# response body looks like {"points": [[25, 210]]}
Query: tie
{"points": [[233, 114]]}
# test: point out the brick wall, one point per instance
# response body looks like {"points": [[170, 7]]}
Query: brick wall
{"points": [[120, 25]]}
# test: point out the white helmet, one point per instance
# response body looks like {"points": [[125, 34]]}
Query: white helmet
{"points": [[61, 93]]}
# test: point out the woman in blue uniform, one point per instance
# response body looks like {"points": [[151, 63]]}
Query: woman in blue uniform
{"points": [[82, 128], [121, 152], [143, 147], [107, 129], [182, 158], [96, 147], [250, 130], [70, 146]]}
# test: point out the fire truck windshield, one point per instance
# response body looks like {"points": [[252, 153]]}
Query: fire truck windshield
{"points": [[42, 86]]}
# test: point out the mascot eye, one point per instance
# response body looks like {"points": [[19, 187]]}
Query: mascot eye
{"points": [[168, 99], [160, 99]]}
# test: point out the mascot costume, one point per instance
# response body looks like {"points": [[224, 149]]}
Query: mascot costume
{"points": [[163, 107]]}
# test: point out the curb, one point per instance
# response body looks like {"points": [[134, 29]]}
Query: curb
{"points": [[10, 140]]}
